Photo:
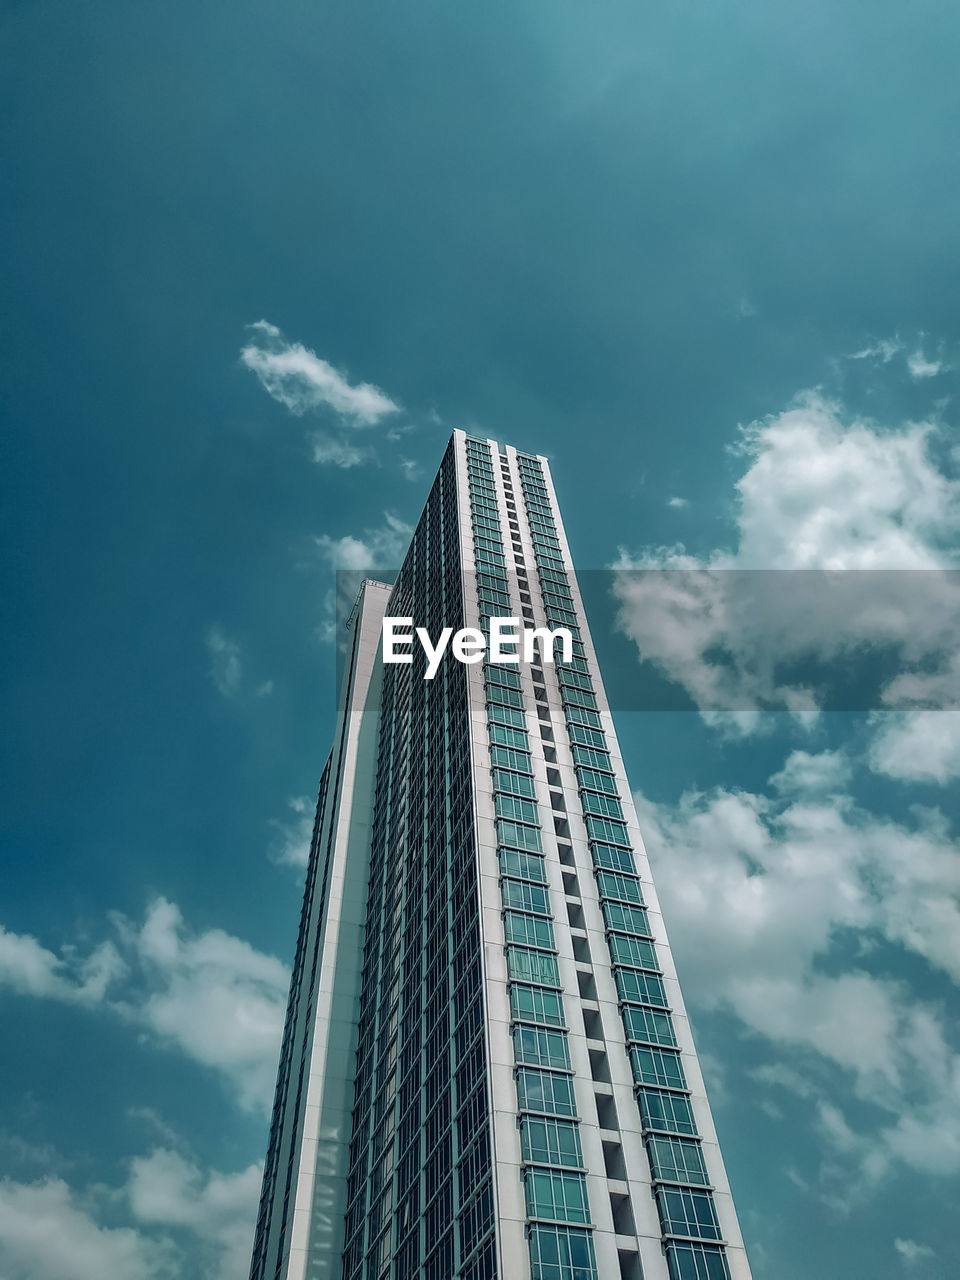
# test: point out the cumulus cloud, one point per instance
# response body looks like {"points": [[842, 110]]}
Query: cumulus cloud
{"points": [[796, 875], [209, 995], [181, 1221], [217, 1210], [48, 1233], [300, 380], [678, 502], [919, 746], [822, 773], [30, 969], [819, 493], [226, 666]]}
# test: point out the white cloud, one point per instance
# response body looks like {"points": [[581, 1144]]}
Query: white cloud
{"points": [[822, 493], [911, 1252], [210, 995], [218, 1210], [678, 502], [49, 1233], [182, 1220], [383, 547], [826, 772], [301, 380], [291, 844], [351, 556], [338, 453], [920, 367], [795, 875], [819, 493], [919, 746], [883, 349], [226, 667], [411, 470], [30, 969]]}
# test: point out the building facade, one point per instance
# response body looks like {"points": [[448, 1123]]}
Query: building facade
{"points": [[486, 1069]]}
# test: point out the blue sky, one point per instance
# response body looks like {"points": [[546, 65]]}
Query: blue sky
{"points": [[259, 260]]}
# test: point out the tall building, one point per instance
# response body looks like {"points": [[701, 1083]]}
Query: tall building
{"points": [[487, 1070]]}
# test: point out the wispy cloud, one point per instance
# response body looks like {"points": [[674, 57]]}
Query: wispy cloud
{"points": [[882, 349], [920, 367], [374, 548], [352, 556], [226, 667], [338, 453], [293, 836], [300, 380], [678, 502]]}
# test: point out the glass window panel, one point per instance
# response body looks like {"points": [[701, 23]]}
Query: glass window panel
{"points": [[530, 866], [541, 1047], [608, 831], [640, 988], [544, 1140], [525, 897], [692, 1261], [612, 857], [592, 780], [626, 918], [676, 1159], [591, 758], [519, 784], [649, 1025], [532, 966], [552, 1194], [607, 806], [520, 837], [545, 1091], [506, 757], [516, 808], [626, 949], [528, 931], [536, 1004], [657, 1066], [668, 1111], [612, 884]]}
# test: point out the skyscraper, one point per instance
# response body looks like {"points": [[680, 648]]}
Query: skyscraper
{"points": [[486, 1067]]}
